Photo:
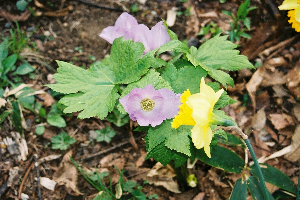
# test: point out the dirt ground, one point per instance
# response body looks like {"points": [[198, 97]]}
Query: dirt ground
{"points": [[267, 99]]}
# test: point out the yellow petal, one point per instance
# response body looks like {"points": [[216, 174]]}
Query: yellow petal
{"points": [[295, 24], [289, 5], [297, 14], [201, 137], [184, 116]]}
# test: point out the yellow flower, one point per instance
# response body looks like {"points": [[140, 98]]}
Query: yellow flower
{"points": [[197, 110], [294, 14]]}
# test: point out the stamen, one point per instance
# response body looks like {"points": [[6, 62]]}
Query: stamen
{"points": [[147, 104]]}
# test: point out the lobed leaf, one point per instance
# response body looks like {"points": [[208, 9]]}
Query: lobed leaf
{"points": [[92, 92]]}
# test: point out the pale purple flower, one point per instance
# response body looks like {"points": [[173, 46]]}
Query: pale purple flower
{"points": [[149, 106], [127, 26]]}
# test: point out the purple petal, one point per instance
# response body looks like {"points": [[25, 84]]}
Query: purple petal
{"points": [[122, 27], [141, 34], [159, 36]]}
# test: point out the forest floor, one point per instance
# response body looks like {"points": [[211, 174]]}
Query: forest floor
{"points": [[68, 30]]}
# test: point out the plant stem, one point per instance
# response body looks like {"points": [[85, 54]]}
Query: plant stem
{"points": [[256, 164], [181, 175], [297, 197]]}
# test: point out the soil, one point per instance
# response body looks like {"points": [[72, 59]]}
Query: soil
{"points": [[69, 31]]}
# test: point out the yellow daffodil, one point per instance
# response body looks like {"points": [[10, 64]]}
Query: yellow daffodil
{"points": [[197, 110], [294, 13]]}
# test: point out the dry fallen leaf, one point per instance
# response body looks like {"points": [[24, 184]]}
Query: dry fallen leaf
{"points": [[171, 17], [281, 121], [296, 111], [294, 154], [163, 176], [67, 175], [293, 80]]}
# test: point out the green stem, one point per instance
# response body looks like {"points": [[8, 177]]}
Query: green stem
{"points": [[260, 175], [181, 175], [297, 197]]}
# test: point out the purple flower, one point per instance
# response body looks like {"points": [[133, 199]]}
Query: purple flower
{"points": [[149, 106], [127, 26]]}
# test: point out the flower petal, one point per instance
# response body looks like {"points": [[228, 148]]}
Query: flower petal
{"points": [[201, 137], [288, 5], [158, 36]]}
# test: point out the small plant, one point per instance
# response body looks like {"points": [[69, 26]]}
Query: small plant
{"points": [[123, 189], [117, 118], [105, 135], [236, 30], [62, 141], [22, 4], [210, 28], [134, 8], [185, 13]]}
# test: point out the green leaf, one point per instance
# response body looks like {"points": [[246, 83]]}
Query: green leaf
{"points": [[4, 115], [218, 53], [39, 129], [226, 12], [151, 78], [164, 155], [243, 10], [246, 22], [245, 35], [172, 35], [4, 49], [96, 95], [9, 62], [222, 158], [129, 186], [56, 120], [16, 116], [232, 140], [21, 5], [125, 60], [174, 45], [24, 69], [105, 134], [255, 189], [276, 177], [239, 191], [175, 139], [187, 77], [62, 141], [224, 100]]}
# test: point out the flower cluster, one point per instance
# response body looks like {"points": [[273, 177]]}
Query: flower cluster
{"points": [[149, 106], [127, 26], [197, 110], [294, 13]]}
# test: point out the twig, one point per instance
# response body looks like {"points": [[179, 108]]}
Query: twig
{"points": [[24, 179], [36, 165], [84, 157], [99, 6]]}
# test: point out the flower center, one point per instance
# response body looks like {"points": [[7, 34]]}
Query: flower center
{"points": [[147, 104]]}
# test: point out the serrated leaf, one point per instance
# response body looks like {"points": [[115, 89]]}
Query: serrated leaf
{"points": [[126, 61], [221, 76], [172, 35], [239, 191], [246, 22], [255, 189], [187, 77], [174, 45], [151, 78], [175, 139], [94, 92], [218, 53], [276, 177], [164, 155], [222, 158], [224, 100]]}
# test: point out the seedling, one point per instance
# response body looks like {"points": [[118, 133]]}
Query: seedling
{"points": [[105, 135], [62, 141]]}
